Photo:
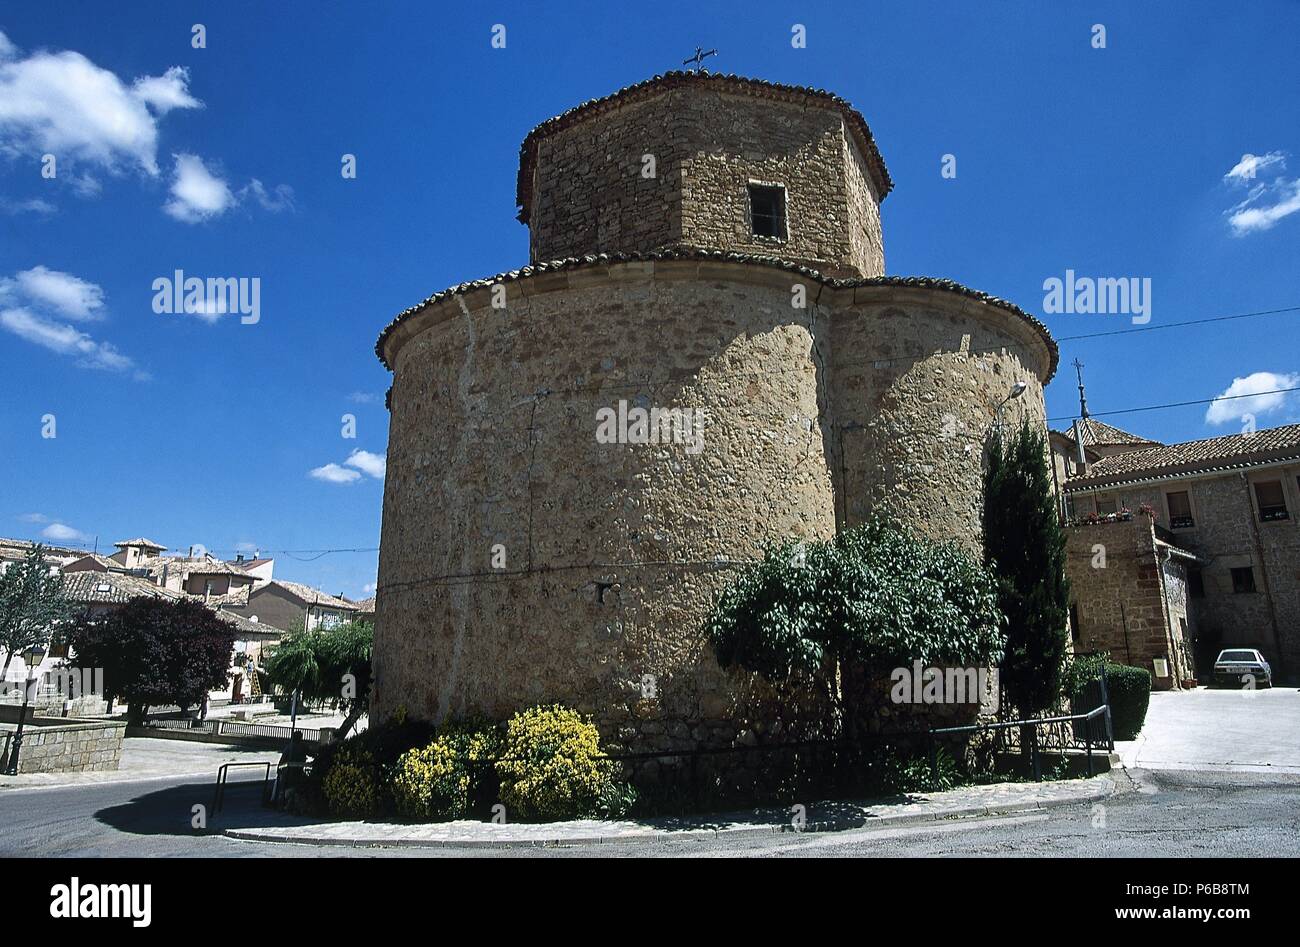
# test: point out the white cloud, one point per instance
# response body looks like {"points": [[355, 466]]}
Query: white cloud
{"points": [[197, 193], [1271, 197], [63, 104], [73, 298], [34, 518], [66, 340], [33, 205], [363, 397], [1264, 209], [281, 199], [333, 473], [166, 92], [62, 533], [1250, 165], [1223, 412], [376, 465]]}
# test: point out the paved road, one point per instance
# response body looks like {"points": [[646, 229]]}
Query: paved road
{"points": [[1202, 729], [1157, 813]]}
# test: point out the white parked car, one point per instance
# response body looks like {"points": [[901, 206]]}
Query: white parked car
{"points": [[1239, 667]]}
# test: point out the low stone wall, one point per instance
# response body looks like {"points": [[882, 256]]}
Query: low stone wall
{"points": [[55, 745]]}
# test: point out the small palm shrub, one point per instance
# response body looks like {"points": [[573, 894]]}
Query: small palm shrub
{"points": [[551, 768]]}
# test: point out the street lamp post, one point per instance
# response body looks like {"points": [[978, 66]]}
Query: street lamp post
{"points": [[32, 657], [1016, 391]]}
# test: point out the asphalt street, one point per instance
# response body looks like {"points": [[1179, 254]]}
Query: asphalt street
{"points": [[1177, 813]]}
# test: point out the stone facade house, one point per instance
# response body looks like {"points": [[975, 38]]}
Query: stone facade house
{"points": [[1224, 510]]}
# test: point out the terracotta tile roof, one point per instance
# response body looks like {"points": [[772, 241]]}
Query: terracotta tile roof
{"points": [[101, 588], [366, 606], [1100, 433], [804, 95], [18, 548], [1212, 455], [311, 596], [189, 566], [248, 563], [140, 542], [693, 253], [245, 626]]}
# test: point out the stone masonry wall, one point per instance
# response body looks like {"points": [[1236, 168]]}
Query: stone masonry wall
{"points": [[1121, 605], [61, 746], [590, 196], [615, 552]]}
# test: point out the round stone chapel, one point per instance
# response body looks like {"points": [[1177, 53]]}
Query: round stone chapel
{"points": [[702, 247]]}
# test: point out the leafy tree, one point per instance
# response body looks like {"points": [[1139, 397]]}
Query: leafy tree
{"points": [[1024, 545], [327, 665], [839, 614], [155, 651], [33, 606]]}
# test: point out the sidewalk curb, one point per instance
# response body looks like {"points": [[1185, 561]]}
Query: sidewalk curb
{"points": [[1102, 789]]}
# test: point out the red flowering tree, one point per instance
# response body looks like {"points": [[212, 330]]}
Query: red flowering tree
{"points": [[155, 652]]}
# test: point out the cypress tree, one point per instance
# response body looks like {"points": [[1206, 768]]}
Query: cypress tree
{"points": [[1024, 544]]}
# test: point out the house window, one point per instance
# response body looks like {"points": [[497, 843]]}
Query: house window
{"points": [[1195, 584], [1074, 622], [1243, 579], [767, 210], [1272, 505], [1106, 506], [1180, 509]]}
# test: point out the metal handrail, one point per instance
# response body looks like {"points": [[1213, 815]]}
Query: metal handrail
{"points": [[219, 792]]}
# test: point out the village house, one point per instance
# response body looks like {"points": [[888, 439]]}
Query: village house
{"points": [[291, 604], [1177, 551]]}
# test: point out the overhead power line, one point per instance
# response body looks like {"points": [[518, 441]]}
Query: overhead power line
{"points": [[1180, 404]]}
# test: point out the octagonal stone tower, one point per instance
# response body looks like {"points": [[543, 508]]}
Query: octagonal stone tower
{"points": [[526, 558]]}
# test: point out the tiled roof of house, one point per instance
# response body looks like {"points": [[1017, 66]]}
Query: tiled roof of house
{"points": [[740, 85], [17, 549], [245, 626], [199, 565], [248, 563], [1211, 455], [100, 588], [311, 596], [102, 561], [366, 606], [1100, 433], [139, 542], [692, 253]]}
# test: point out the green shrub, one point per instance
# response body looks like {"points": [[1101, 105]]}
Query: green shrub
{"points": [[1130, 693], [438, 782], [550, 769], [1129, 689], [352, 786], [368, 758]]}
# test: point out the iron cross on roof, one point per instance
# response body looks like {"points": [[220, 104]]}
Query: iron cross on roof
{"points": [[699, 58]]}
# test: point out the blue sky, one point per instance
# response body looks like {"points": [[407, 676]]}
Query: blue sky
{"points": [[225, 161]]}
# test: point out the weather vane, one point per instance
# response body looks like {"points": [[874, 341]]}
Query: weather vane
{"points": [[699, 58]]}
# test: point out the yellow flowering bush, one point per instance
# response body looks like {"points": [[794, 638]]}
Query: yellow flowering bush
{"points": [[352, 784], [437, 782], [550, 768]]}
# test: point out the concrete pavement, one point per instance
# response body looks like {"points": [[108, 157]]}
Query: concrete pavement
{"points": [[148, 759], [1229, 730], [966, 802]]}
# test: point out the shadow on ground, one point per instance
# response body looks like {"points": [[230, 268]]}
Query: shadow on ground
{"points": [[825, 816], [171, 811]]}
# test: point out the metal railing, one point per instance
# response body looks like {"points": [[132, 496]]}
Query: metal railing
{"points": [[1024, 736], [219, 791]]}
